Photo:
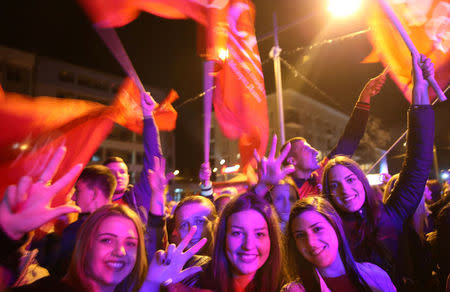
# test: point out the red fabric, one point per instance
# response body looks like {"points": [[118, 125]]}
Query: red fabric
{"points": [[32, 127], [116, 13], [427, 26], [240, 97], [127, 109], [307, 189]]}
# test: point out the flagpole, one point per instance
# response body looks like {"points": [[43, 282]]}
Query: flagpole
{"points": [[208, 82], [395, 143], [396, 22], [275, 54], [112, 41]]}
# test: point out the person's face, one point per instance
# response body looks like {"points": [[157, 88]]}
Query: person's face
{"points": [[120, 171], [315, 239], [283, 198], [112, 254], [247, 242], [83, 196], [191, 214], [304, 156], [346, 189]]}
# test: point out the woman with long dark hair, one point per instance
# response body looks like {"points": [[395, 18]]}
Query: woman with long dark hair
{"points": [[318, 257], [373, 228]]}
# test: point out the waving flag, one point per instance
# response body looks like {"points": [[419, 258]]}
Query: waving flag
{"points": [[428, 25], [33, 127], [239, 98]]}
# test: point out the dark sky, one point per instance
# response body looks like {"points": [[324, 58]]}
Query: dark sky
{"points": [[164, 55]]}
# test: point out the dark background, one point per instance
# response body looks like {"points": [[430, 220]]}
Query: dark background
{"points": [[164, 55]]}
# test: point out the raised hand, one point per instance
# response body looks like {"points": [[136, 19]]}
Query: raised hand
{"points": [[422, 69], [205, 173], [148, 104], [270, 170], [373, 87], [166, 267], [158, 179], [26, 206]]}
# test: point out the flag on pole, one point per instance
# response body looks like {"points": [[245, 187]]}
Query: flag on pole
{"points": [[239, 98], [427, 24], [32, 127]]}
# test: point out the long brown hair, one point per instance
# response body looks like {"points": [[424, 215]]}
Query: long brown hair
{"points": [[76, 276], [297, 267], [371, 208], [268, 277]]}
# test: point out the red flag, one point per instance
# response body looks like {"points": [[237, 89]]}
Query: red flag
{"points": [[127, 109], [116, 13], [33, 127], [240, 97], [427, 25]]}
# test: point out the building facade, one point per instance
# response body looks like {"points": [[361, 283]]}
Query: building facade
{"points": [[34, 75]]}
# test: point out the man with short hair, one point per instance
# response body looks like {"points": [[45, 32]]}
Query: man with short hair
{"points": [[94, 188]]}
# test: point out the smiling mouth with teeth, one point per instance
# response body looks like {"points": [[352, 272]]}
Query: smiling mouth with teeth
{"points": [[346, 199], [317, 251], [115, 265]]}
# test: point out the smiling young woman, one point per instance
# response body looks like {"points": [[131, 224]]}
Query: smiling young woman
{"points": [[247, 248], [110, 252], [318, 257]]}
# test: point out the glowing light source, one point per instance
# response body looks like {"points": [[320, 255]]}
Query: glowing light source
{"points": [[223, 54], [343, 8], [222, 162], [445, 175], [231, 169], [176, 172], [215, 169], [23, 147]]}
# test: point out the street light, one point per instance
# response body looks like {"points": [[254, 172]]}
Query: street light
{"points": [[222, 162], [343, 8], [176, 172]]}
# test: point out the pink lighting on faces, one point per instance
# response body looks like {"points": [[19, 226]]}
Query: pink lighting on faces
{"points": [[247, 242], [283, 198], [304, 156], [191, 214], [317, 241], [120, 171], [112, 255], [346, 189]]}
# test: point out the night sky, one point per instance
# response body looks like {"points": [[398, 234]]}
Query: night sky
{"points": [[164, 55]]}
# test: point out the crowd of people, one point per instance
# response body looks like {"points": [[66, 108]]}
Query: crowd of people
{"points": [[307, 225]]}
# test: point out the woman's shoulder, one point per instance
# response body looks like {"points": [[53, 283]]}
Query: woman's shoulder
{"points": [[293, 287], [375, 277]]}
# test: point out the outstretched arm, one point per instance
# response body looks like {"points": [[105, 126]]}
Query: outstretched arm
{"points": [[356, 125], [408, 191], [152, 148]]}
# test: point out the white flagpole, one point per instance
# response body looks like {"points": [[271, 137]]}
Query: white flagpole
{"points": [[401, 30], [208, 82], [275, 54]]}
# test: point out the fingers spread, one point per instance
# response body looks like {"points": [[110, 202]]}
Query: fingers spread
{"points": [[53, 165], [284, 153], [187, 238], [186, 273], [68, 178], [273, 148]]}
